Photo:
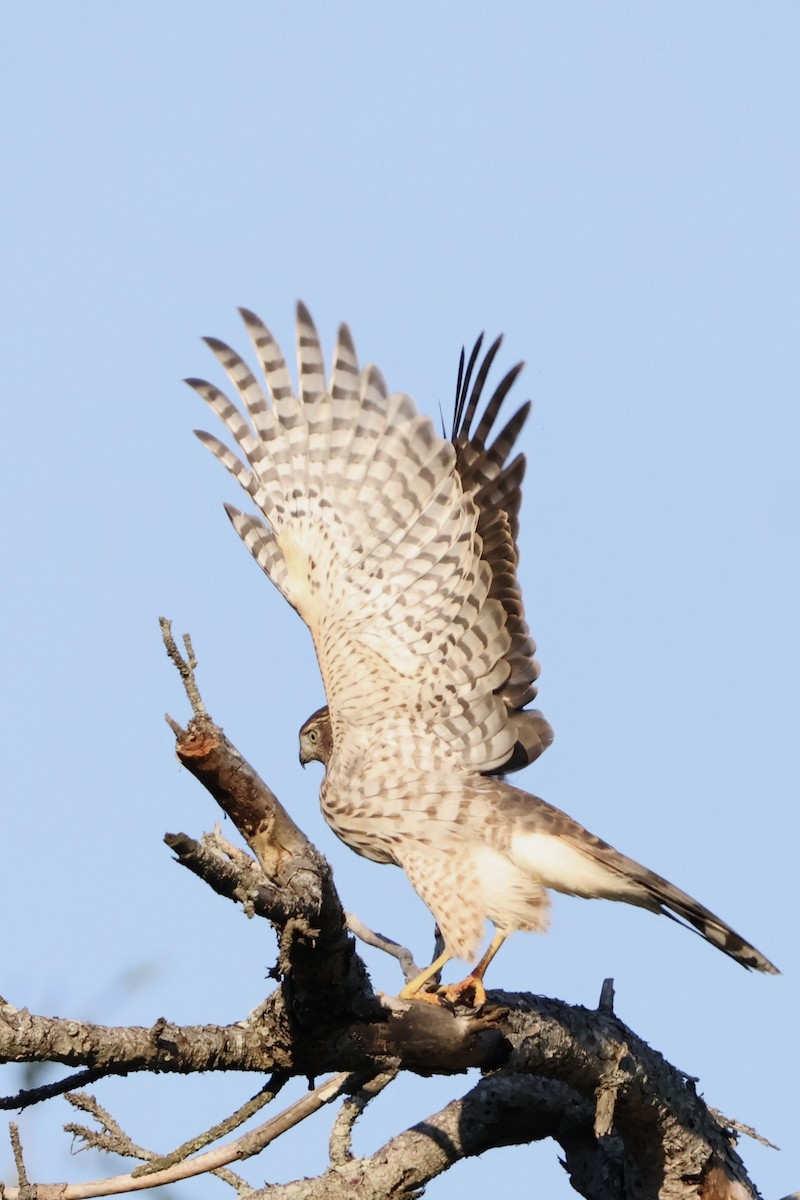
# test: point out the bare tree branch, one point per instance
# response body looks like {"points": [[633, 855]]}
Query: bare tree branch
{"points": [[629, 1123], [740, 1127], [28, 1096], [186, 666], [164, 1047], [265, 1096], [379, 942], [19, 1161], [340, 1142], [249, 1144], [497, 1112], [112, 1138]]}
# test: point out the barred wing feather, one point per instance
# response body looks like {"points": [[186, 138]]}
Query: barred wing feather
{"points": [[367, 530], [497, 488]]}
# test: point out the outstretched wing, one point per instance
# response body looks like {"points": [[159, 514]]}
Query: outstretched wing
{"points": [[496, 486], [367, 531]]}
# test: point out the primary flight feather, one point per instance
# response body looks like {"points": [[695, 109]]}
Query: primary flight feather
{"points": [[397, 547]]}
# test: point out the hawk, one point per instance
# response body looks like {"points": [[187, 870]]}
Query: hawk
{"points": [[397, 547]]}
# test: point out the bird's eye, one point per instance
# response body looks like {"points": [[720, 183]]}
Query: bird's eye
{"points": [[312, 735]]}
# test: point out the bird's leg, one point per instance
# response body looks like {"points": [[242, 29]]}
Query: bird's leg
{"points": [[470, 991], [413, 989]]}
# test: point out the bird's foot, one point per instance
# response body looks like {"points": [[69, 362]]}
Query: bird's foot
{"points": [[469, 993], [431, 997], [416, 989]]}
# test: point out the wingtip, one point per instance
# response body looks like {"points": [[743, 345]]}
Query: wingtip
{"points": [[248, 316], [232, 512], [345, 338], [476, 349], [374, 378], [303, 315]]}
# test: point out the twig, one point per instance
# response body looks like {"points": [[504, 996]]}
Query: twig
{"points": [[186, 667], [740, 1127], [244, 1147], [370, 938], [606, 1002], [265, 1096], [239, 857], [26, 1097], [16, 1146], [341, 1139], [113, 1139]]}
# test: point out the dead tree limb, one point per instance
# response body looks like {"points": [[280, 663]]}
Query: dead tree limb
{"points": [[629, 1123]]}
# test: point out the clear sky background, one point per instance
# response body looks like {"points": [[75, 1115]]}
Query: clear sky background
{"points": [[615, 187]]}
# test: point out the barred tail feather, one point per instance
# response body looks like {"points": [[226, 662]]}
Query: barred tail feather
{"points": [[681, 907], [559, 853]]}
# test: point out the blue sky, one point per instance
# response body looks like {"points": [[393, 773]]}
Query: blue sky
{"points": [[615, 187]]}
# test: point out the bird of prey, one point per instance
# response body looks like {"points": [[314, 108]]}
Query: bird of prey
{"points": [[397, 547]]}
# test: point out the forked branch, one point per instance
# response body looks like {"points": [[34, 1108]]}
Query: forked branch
{"points": [[628, 1123]]}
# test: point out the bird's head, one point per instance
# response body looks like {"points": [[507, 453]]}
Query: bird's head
{"points": [[316, 737]]}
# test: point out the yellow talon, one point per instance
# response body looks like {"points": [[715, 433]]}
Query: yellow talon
{"points": [[413, 989], [469, 993]]}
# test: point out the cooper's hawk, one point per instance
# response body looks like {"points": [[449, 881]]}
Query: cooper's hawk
{"points": [[397, 548]]}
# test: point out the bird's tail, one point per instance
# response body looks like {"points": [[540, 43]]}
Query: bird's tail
{"points": [[681, 907], [561, 854]]}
